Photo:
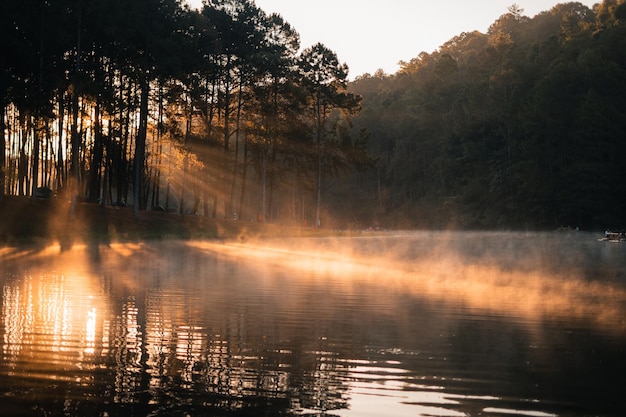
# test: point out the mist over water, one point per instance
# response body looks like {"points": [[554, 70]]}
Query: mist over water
{"points": [[415, 323]]}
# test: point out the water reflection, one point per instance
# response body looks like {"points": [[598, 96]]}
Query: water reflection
{"points": [[533, 279], [219, 329], [48, 321]]}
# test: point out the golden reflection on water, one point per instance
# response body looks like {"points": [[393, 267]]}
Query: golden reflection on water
{"points": [[66, 310], [531, 294], [49, 322], [151, 339]]}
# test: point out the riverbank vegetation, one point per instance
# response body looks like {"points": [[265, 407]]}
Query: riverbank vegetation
{"points": [[220, 113]]}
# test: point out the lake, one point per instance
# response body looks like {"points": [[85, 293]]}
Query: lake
{"points": [[398, 324]]}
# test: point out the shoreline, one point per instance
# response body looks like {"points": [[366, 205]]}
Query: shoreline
{"points": [[41, 222], [26, 222]]}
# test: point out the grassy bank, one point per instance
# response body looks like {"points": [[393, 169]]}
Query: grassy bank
{"points": [[27, 221]]}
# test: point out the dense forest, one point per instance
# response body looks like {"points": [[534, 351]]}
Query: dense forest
{"points": [[220, 112], [523, 127], [153, 105]]}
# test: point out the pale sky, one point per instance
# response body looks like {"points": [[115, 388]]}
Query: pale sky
{"points": [[368, 35]]}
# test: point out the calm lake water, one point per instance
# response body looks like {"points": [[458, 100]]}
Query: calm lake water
{"points": [[405, 324]]}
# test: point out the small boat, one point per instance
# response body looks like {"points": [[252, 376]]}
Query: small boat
{"points": [[610, 236]]}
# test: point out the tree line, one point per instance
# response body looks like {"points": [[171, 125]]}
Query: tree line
{"points": [[523, 126], [152, 104]]}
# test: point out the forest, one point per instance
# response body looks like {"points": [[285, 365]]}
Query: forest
{"points": [[220, 112], [521, 127], [157, 106]]}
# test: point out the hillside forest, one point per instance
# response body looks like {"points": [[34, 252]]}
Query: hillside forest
{"points": [[220, 112], [520, 127]]}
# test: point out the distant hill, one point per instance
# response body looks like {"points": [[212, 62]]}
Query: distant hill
{"points": [[521, 127]]}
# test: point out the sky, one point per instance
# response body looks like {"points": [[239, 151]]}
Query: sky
{"points": [[371, 35]]}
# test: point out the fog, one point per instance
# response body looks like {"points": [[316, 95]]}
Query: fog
{"points": [[528, 276], [524, 276]]}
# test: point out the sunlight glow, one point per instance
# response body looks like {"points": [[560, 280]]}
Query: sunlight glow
{"points": [[90, 332], [50, 318], [517, 412], [443, 277], [194, 4]]}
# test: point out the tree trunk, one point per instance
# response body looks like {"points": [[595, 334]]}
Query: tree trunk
{"points": [[22, 164], [186, 159], [244, 176], [214, 212], [2, 153], [318, 185], [140, 148], [96, 161], [272, 176], [75, 136], [74, 174], [232, 207], [227, 201], [35, 157], [105, 176], [205, 205], [60, 171], [182, 191], [263, 184]]}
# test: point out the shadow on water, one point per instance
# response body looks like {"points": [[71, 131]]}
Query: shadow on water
{"points": [[433, 324]]}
